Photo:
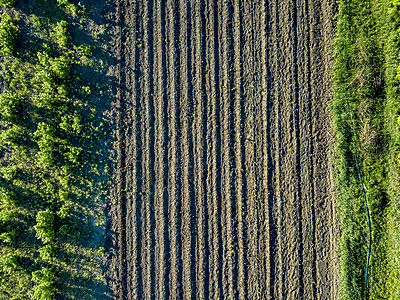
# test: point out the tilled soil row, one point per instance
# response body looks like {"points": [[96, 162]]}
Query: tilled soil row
{"points": [[223, 185]]}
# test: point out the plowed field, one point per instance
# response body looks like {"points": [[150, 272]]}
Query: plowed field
{"points": [[223, 184]]}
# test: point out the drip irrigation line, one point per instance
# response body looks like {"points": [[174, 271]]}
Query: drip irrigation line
{"points": [[358, 167]]}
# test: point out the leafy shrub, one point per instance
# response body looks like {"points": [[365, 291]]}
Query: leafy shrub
{"points": [[62, 90], [9, 172], [63, 195], [50, 69], [36, 22], [45, 157], [65, 175], [44, 130], [42, 83], [71, 124], [45, 100], [48, 87], [13, 135], [50, 74], [8, 198], [10, 107], [7, 215], [73, 154], [61, 67], [46, 284], [67, 204], [394, 11], [65, 124], [7, 3], [86, 90], [47, 252], [72, 8], [9, 262], [77, 123], [43, 75], [45, 226], [62, 35], [45, 140], [64, 229], [8, 35], [9, 236], [84, 50], [65, 210]]}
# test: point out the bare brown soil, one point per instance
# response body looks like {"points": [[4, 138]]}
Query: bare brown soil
{"points": [[223, 183]]}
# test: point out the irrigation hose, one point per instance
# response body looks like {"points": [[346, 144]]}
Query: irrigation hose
{"points": [[358, 167]]}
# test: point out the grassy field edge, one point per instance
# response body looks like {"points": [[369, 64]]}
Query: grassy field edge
{"points": [[366, 62]]}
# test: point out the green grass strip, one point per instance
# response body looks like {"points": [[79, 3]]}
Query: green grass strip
{"points": [[366, 74]]}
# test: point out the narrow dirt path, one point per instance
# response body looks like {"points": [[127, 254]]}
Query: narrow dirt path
{"points": [[223, 182]]}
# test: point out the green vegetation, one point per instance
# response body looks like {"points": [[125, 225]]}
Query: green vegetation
{"points": [[367, 76], [7, 3], [8, 35], [52, 172]]}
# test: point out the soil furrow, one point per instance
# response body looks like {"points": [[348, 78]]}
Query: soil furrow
{"points": [[186, 104], [217, 250], [239, 153], [276, 149], [141, 138], [312, 156], [231, 135], [132, 149], [202, 256], [306, 188], [268, 226], [311, 278], [138, 154], [191, 141], [258, 160], [162, 247], [323, 200], [210, 94], [298, 199], [223, 131], [289, 228], [148, 68], [249, 135], [266, 177], [121, 167], [175, 153], [143, 158], [228, 197], [331, 224]]}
